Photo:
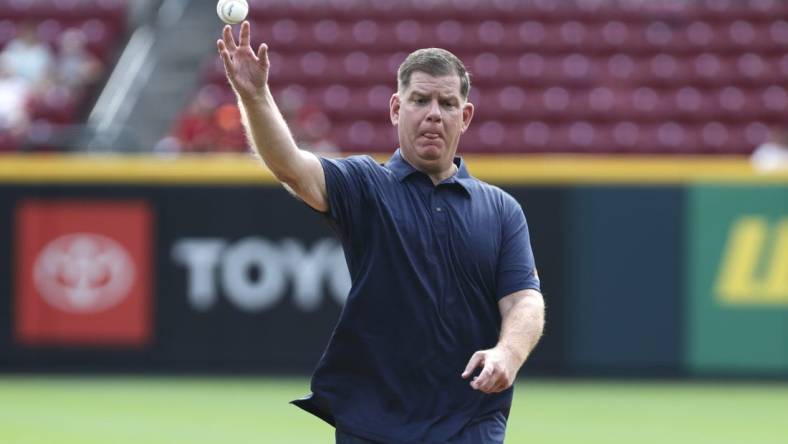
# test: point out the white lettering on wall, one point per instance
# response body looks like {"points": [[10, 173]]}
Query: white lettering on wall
{"points": [[254, 272]]}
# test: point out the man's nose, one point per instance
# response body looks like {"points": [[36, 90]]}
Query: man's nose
{"points": [[434, 112]]}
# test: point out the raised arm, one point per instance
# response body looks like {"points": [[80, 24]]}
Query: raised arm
{"points": [[300, 171], [522, 322]]}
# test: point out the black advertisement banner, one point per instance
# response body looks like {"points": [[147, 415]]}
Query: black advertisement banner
{"points": [[239, 278]]}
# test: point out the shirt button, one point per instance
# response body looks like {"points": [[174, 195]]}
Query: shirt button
{"points": [[439, 209]]}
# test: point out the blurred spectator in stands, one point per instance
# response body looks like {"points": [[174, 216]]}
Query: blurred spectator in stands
{"points": [[28, 57], [772, 155], [311, 128], [312, 131], [208, 126], [230, 132], [77, 68], [194, 131], [14, 96]]}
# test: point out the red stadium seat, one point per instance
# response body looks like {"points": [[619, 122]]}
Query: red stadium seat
{"points": [[669, 70], [287, 33], [536, 135], [628, 137], [623, 67], [691, 103], [363, 136], [755, 133], [701, 36], [49, 31], [775, 99], [719, 138], [778, 33], [408, 33]]}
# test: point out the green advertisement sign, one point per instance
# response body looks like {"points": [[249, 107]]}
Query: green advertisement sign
{"points": [[737, 280]]}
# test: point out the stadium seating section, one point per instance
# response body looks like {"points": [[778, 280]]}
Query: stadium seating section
{"points": [[548, 76], [101, 25]]}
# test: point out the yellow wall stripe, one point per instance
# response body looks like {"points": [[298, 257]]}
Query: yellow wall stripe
{"points": [[510, 169]]}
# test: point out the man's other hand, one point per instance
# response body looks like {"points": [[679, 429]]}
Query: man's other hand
{"points": [[499, 368]]}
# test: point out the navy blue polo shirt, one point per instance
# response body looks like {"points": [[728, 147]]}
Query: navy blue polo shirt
{"points": [[428, 266]]}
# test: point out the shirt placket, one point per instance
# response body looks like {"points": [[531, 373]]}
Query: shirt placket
{"points": [[440, 221], [440, 212]]}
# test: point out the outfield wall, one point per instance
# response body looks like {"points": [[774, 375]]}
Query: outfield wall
{"points": [[650, 267]]}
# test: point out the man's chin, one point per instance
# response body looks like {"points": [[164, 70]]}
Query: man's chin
{"points": [[430, 152]]}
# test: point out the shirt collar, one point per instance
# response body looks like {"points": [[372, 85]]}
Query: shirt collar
{"points": [[402, 169]]}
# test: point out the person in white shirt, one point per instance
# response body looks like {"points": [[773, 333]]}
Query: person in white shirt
{"points": [[14, 93], [28, 57], [772, 155]]}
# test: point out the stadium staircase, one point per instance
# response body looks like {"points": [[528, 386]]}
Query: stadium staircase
{"points": [[163, 57]]}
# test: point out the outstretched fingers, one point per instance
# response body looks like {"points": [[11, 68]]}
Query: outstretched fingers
{"points": [[229, 40], [225, 55], [246, 34], [262, 55]]}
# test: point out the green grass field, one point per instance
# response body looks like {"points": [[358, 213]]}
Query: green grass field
{"points": [[111, 410]]}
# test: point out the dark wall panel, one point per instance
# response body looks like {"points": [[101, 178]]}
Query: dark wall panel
{"points": [[547, 214], [625, 279]]}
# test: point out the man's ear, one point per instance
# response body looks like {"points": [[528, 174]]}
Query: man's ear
{"points": [[467, 115], [394, 104]]}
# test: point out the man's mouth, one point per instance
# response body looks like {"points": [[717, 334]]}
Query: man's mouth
{"points": [[431, 136]]}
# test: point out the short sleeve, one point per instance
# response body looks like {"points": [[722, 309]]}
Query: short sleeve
{"points": [[346, 188], [516, 267]]}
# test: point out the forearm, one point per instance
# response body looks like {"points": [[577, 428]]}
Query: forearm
{"points": [[269, 135], [522, 323], [300, 171]]}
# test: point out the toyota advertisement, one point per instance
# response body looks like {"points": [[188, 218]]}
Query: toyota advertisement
{"points": [[83, 275], [171, 279]]}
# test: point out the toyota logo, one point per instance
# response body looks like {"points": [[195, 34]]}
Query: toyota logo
{"points": [[83, 273]]}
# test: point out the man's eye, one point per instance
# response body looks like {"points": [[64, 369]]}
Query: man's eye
{"points": [[421, 101]]}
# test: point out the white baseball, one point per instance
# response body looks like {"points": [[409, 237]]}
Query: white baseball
{"points": [[232, 12]]}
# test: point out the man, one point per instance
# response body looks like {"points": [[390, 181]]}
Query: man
{"points": [[443, 276]]}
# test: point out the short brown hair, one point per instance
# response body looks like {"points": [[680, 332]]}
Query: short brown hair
{"points": [[436, 62]]}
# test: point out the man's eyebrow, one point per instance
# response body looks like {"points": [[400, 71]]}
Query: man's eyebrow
{"points": [[450, 96]]}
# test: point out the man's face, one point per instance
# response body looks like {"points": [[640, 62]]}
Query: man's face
{"points": [[430, 115]]}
